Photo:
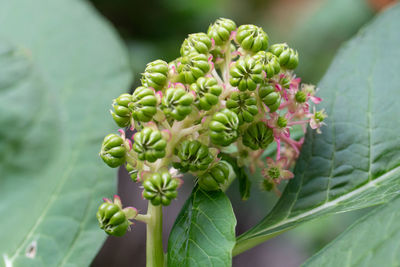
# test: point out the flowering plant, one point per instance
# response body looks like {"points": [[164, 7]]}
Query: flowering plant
{"points": [[219, 106]]}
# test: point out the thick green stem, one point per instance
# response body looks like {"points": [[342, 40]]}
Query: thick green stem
{"points": [[154, 247]]}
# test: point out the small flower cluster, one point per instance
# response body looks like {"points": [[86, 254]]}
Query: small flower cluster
{"points": [[229, 92]]}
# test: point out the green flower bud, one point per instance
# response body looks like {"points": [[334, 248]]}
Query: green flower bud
{"points": [[192, 67], [244, 105], [258, 136], [300, 97], [224, 127], [193, 155], [214, 177], [196, 43], [176, 103], [252, 38], [160, 188], [246, 74], [155, 75], [288, 57], [221, 30], [113, 219], [149, 144], [122, 114], [113, 150], [207, 91], [144, 104], [269, 62], [133, 173], [270, 97]]}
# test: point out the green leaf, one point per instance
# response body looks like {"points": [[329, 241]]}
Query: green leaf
{"points": [[240, 172], [61, 66], [371, 241], [355, 162], [204, 232]]}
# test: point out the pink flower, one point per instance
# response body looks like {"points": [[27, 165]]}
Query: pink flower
{"points": [[316, 119], [275, 172]]}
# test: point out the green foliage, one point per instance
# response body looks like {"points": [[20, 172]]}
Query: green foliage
{"points": [[355, 162], [371, 241], [204, 232], [54, 87]]}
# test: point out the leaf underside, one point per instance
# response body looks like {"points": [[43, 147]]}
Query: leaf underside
{"points": [[204, 232], [371, 241], [355, 162], [60, 67]]}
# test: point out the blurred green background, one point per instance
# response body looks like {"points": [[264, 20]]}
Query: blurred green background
{"points": [[155, 29]]}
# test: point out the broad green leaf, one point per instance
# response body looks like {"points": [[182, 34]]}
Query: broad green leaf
{"points": [[60, 68], [204, 232], [371, 241], [355, 162]]}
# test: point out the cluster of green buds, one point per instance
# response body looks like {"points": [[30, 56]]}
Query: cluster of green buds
{"points": [[229, 92]]}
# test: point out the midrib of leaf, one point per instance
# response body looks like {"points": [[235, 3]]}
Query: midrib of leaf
{"points": [[370, 184]]}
